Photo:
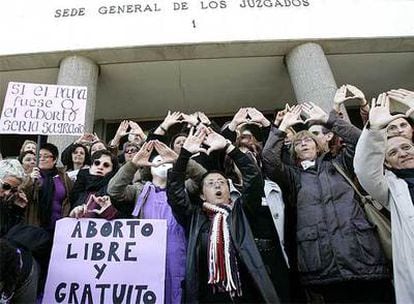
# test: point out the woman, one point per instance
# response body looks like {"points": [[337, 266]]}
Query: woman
{"points": [[339, 257], [48, 190], [13, 202], [28, 145], [92, 183], [79, 159], [28, 161], [151, 203], [177, 142]]}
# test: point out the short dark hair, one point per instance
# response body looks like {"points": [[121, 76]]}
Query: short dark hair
{"points": [[73, 147], [114, 159], [203, 177], [51, 148], [175, 137]]}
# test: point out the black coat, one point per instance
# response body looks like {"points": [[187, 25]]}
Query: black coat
{"points": [[191, 216], [335, 242]]}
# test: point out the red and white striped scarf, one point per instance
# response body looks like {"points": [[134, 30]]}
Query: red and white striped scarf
{"points": [[222, 261]]}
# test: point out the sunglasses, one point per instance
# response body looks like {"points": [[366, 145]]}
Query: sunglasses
{"points": [[131, 151], [6, 187], [97, 163]]}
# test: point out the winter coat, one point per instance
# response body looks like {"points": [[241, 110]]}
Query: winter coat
{"points": [[335, 242], [151, 203], [191, 215], [393, 193], [32, 190]]}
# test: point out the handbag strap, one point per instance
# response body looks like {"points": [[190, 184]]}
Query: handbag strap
{"points": [[348, 179]]}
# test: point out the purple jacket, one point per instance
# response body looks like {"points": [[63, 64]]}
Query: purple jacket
{"points": [[152, 204]]}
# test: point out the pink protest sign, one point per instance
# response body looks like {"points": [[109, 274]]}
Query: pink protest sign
{"points": [[99, 261]]}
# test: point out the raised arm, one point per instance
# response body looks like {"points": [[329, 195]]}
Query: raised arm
{"points": [[177, 196], [371, 148], [273, 165], [369, 164], [119, 186], [341, 127]]}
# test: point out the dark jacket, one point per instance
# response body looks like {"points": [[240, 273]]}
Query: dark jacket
{"points": [[32, 190], [335, 242], [192, 217]]}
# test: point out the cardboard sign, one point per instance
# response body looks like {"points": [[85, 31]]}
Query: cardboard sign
{"points": [[99, 261], [43, 109]]}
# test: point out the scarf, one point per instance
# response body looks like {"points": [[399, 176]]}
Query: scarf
{"points": [[88, 184], [408, 176], [222, 262], [46, 196]]}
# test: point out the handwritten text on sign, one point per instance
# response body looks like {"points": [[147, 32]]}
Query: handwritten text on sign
{"points": [[99, 261], [43, 109]]}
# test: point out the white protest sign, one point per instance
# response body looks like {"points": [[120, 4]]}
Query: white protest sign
{"points": [[99, 261], [43, 109]]}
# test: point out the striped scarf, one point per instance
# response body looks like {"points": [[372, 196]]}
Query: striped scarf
{"points": [[222, 261]]}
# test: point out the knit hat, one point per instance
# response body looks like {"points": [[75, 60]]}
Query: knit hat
{"points": [[11, 167]]}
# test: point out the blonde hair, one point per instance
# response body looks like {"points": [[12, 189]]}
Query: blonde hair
{"points": [[303, 134], [25, 143]]}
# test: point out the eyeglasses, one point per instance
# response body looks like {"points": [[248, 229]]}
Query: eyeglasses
{"points": [[97, 163], [211, 184], [131, 151], [46, 156], [6, 187]]}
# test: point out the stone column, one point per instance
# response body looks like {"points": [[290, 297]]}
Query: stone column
{"points": [[311, 75], [78, 71]]}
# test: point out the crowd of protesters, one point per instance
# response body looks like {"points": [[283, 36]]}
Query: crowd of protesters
{"points": [[257, 210]]}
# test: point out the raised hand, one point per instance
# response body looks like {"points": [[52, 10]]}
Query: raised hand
{"points": [[203, 118], [401, 95], [214, 141], [191, 119], [239, 118], [122, 131], [281, 114], [315, 113], [86, 138], [136, 130], [171, 119], [340, 95], [168, 155], [194, 140], [141, 159], [257, 117], [356, 94], [291, 118], [379, 115]]}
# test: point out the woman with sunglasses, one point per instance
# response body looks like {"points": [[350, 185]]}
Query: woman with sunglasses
{"points": [[91, 187], [13, 202], [48, 190]]}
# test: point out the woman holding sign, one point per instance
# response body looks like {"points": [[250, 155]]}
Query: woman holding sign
{"points": [[48, 190], [152, 203], [89, 195]]}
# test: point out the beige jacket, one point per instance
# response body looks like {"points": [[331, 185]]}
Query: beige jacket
{"points": [[393, 193]]}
